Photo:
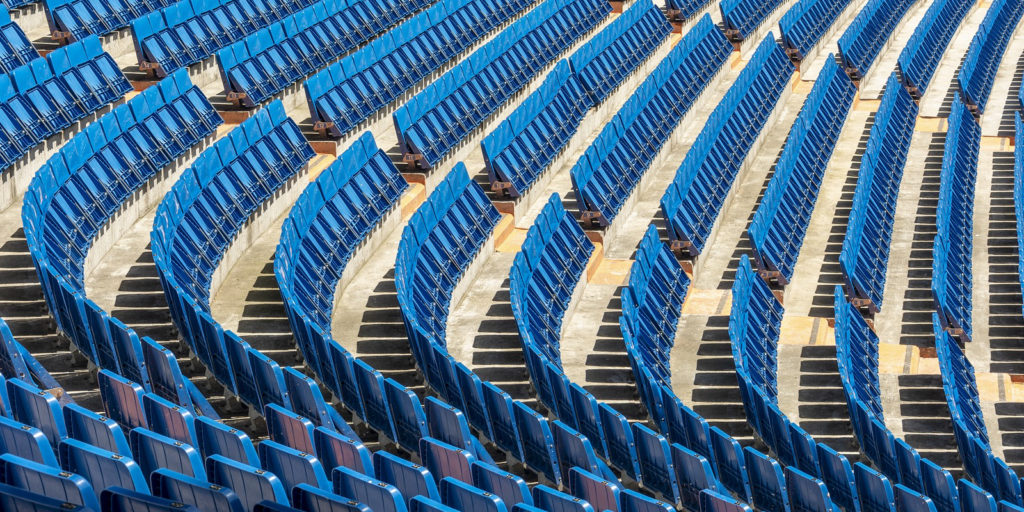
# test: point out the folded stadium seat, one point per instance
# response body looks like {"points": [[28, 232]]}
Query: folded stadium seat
{"points": [[407, 417], [434, 122], [619, 436], [348, 92], [632, 501], [838, 476], [767, 482], [165, 378], [36, 408], [865, 37], [122, 400], [574, 450], [693, 474], [909, 500], [334, 449], [920, 57], [940, 486], [153, 451], [375, 404], [422, 504], [308, 497], [13, 498], [193, 491], [289, 429], [465, 498], [308, 401], [446, 461], [537, 442], [292, 466], [805, 23], [95, 430], [694, 200], [501, 411], [119, 499], [732, 464], [46, 480], [15, 48], [269, 380], [655, 461], [552, 500], [379, 496], [807, 492], [511, 488], [169, 420], [974, 498], [873, 489], [602, 494], [410, 479], [250, 483], [101, 468], [976, 76], [588, 418], [273, 506], [909, 462], [741, 18], [216, 438], [783, 216], [713, 501]]}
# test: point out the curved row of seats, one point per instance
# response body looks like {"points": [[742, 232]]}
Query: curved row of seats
{"points": [[864, 39], [865, 254], [605, 60], [684, 9], [78, 191], [439, 118], [981, 465], [74, 20], [978, 72], [522, 146], [612, 167], [698, 192], [781, 219], [267, 62], [920, 57], [804, 24], [741, 18], [1018, 192], [45, 96], [15, 48], [351, 91], [954, 222]]}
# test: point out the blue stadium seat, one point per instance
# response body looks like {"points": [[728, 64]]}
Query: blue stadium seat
{"points": [[444, 460], [909, 500], [289, 429], [119, 499], [552, 500], [379, 496], [920, 57], [741, 18], [423, 504], [334, 449], [465, 498], [122, 400], [15, 48], [407, 416], [977, 74], [312, 499], [837, 474], [307, 400], [873, 489], [12, 498], [574, 450], [169, 420], [804, 24], [215, 438], [865, 38], [940, 486], [619, 435], [26, 442], [101, 468], [501, 412], [538, 443], [767, 482], [410, 479], [711, 501], [251, 484], [193, 491], [732, 464], [807, 493], [153, 451], [655, 460], [511, 488], [292, 466], [974, 498], [37, 408], [602, 494], [695, 198], [693, 475], [46, 480]]}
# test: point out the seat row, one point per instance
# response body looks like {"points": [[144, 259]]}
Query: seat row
{"points": [[864, 39], [522, 146], [954, 222], [804, 24], [920, 57], [978, 72], [15, 48], [981, 465], [78, 190], [437, 119], [45, 96], [865, 254], [781, 219], [604, 61], [74, 20], [1018, 192], [347, 93], [268, 61], [741, 18], [681, 10], [612, 167], [698, 191]]}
